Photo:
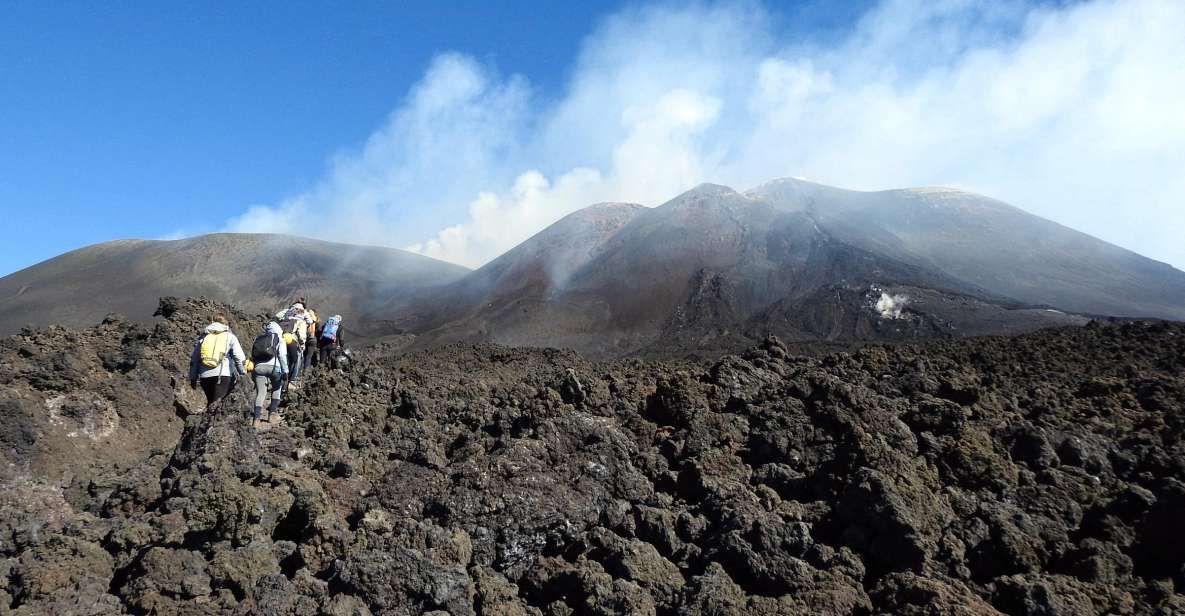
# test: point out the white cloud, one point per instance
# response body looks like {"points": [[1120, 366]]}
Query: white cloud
{"points": [[496, 220], [457, 130], [1070, 112]]}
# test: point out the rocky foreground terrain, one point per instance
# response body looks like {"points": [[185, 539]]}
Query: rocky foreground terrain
{"points": [[1043, 474]]}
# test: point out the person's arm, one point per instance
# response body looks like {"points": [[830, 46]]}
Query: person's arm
{"points": [[237, 355], [282, 353], [195, 358]]}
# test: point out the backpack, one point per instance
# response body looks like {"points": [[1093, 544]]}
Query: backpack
{"points": [[214, 348], [288, 325], [330, 330], [263, 349]]}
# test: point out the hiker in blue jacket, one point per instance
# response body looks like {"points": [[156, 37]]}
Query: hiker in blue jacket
{"points": [[330, 340]]}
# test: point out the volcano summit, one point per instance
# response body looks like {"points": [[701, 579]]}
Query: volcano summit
{"points": [[715, 269]]}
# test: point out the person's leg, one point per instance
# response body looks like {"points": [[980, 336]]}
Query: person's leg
{"points": [[323, 355], [293, 359], [222, 387], [210, 388], [261, 384], [277, 388]]}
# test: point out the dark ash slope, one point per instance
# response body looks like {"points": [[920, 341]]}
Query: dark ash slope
{"points": [[254, 271], [987, 243], [716, 270]]}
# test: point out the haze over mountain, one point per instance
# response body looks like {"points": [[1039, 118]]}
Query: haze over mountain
{"points": [[714, 268], [253, 271]]}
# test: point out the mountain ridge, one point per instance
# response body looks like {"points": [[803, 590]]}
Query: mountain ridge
{"points": [[257, 271], [710, 270]]}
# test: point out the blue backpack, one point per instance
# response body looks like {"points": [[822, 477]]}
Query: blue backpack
{"points": [[331, 326]]}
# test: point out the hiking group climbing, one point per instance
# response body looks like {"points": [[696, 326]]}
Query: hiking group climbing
{"points": [[288, 346]]}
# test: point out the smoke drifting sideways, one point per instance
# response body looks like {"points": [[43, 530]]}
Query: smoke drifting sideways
{"points": [[1070, 112]]}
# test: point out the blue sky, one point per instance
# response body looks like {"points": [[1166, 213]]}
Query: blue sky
{"points": [[148, 119], [456, 130], [144, 119], [136, 119]]}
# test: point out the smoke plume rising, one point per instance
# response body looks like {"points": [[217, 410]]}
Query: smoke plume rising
{"points": [[891, 306], [1071, 112]]}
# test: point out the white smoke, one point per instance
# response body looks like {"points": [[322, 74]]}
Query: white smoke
{"points": [[1070, 111], [455, 133], [891, 306]]}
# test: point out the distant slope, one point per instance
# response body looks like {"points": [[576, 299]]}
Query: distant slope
{"points": [[714, 269], [489, 302], [990, 244], [254, 271]]}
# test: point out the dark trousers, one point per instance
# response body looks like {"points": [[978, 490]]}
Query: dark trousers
{"points": [[217, 388], [310, 353], [294, 361], [326, 354]]}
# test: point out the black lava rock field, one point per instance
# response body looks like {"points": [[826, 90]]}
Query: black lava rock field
{"points": [[1038, 475]]}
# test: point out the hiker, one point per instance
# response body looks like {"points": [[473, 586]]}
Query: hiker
{"points": [[295, 327], [317, 331], [271, 368], [310, 343], [330, 340], [216, 361]]}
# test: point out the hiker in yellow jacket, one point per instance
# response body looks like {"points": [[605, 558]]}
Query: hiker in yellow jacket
{"points": [[216, 361]]}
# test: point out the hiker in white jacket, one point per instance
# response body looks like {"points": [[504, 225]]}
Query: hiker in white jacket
{"points": [[271, 368], [216, 361], [295, 322]]}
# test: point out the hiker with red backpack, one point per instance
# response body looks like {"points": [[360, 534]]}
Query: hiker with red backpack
{"points": [[270, 357], [216, 361], [330, 340]]}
